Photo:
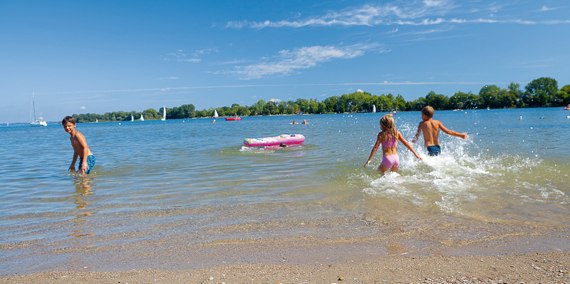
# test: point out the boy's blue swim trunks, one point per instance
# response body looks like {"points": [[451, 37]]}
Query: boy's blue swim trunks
{"points": [[90, 163], [434, 150]]}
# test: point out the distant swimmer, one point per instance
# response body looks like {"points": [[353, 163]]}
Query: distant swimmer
{"points": [[80, 147], [305, 121], [294, 122], [389, 137], [430, 129]]}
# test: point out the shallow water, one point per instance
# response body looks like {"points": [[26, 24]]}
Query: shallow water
{"points": [[159, 187]]}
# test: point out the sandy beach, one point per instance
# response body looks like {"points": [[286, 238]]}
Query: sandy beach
{"points": [[527, 268], [395, 258]]}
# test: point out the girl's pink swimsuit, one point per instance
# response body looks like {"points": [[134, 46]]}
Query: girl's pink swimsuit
{"points": [[393, 160]]}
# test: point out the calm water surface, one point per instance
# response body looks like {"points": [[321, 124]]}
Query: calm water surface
{"points": [[191, 180]]}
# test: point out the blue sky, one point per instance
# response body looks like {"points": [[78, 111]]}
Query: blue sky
{"points": [[100, 56]]}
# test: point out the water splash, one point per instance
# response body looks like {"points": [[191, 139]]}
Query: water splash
{"points": [[464, 178]]}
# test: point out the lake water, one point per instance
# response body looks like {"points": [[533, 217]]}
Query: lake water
{"points": [[165, 189]]}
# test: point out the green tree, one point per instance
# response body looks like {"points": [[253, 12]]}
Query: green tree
{"points": [[150, 114], [491, 96], [183, 111], [313, 106], [243, 111], [303, 105], [270, 108], [437, 101], [458, 100], [513, 92], [418, 103], [564, 95], [383, 103], [541, 92], [332, 104], [257, 109], [399, 103]]}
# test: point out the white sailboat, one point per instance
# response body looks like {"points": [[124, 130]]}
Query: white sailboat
{"points": [[373, 108], [132, 118], [142, 117], [216, 114], [36, 121], [163, 114]]}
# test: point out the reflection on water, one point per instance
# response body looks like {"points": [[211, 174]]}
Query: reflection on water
{"points": [[82, 211]]}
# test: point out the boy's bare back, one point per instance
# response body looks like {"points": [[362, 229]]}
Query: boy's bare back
{"points": [[430, 130]]}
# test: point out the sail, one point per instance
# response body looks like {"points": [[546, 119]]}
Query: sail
{"points": [[142, 117], [132, 118], [36, 121], [215, 114], [163, 114], [373, 108]]}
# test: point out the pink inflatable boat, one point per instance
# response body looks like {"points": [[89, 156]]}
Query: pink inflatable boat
{"points": [[283, 140]]}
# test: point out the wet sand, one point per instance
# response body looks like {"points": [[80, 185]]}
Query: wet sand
{"points": [[344, 249], [405, 257], [549, 267]]}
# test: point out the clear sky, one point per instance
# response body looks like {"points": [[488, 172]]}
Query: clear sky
{"points": [[78, 56]]}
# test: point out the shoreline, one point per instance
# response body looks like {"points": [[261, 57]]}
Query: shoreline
{"points": [[346, 249], [544, 267]]}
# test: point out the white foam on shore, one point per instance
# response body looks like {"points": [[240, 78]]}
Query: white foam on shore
{"points": [[456, 179]]}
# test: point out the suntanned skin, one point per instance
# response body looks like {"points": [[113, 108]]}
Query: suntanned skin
{"points": [[430, 129], [80, 147], [389, 150]]}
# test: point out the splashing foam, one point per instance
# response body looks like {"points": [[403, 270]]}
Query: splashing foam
{"points": [[446, 181]]}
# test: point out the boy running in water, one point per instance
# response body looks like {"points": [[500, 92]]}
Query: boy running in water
{"points": [[430, 129]]}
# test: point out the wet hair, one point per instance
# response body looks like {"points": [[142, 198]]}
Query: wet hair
{"points": [[388, 126], [428, 111], [67, 119]]}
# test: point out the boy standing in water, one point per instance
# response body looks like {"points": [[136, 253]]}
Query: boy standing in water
{"points": [[430, 128], [80, 147]]}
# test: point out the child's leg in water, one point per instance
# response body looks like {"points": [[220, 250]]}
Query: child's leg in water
{"points": [[382, 169]]}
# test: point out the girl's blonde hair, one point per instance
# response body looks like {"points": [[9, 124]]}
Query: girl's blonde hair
{"points": [[387, 125]]}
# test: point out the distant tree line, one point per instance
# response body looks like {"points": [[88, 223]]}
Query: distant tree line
{"points": [[541, 92]]}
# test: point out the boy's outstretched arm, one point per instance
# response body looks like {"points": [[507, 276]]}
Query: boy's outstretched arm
{"points": [[415, 139], [408, 145], [452, 133], [374, 149]]}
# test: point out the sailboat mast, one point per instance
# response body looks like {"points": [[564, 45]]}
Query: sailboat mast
{"points": [[34, 106]]}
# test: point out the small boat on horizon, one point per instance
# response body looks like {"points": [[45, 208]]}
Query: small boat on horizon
{"points": [[36, 121], [163, 114], [233, 118]]}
